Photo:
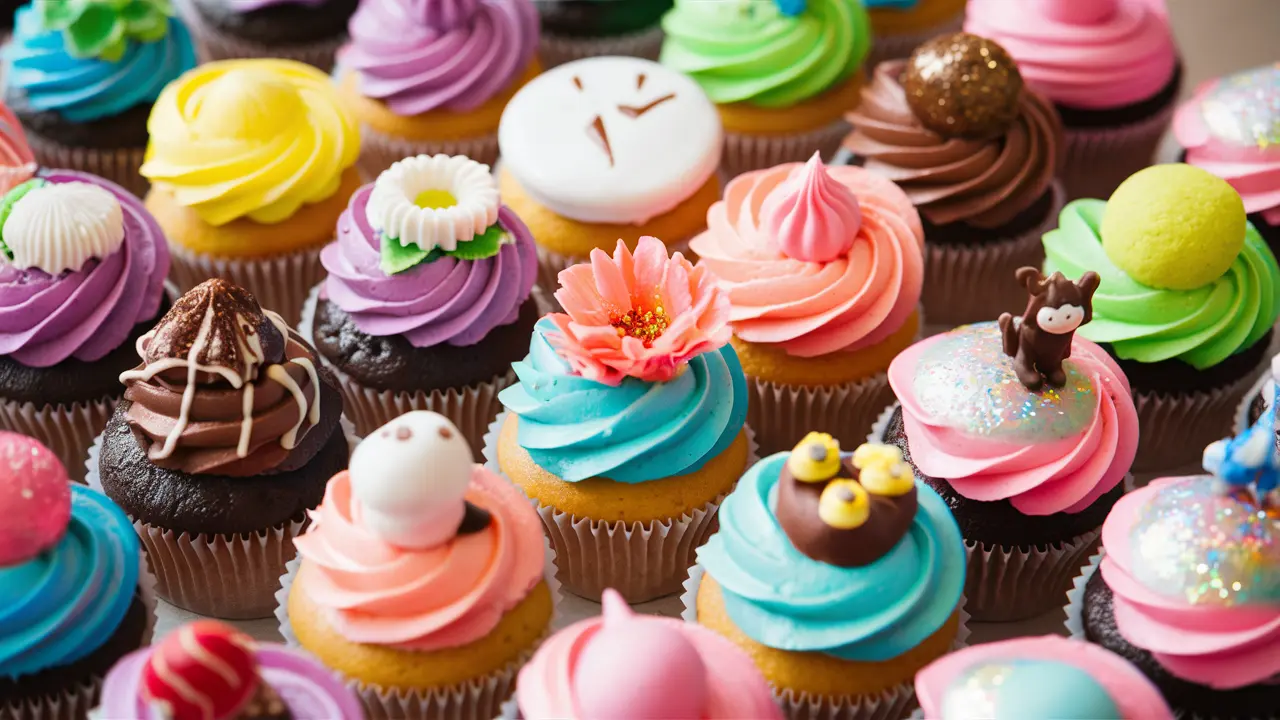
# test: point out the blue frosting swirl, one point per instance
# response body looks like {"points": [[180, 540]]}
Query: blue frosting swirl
{"points": [[87, 89], [66, 603], [638, 431], [786, 600]]}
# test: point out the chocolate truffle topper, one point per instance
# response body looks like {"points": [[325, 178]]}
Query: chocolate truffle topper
{"points": [[1040, 339]]}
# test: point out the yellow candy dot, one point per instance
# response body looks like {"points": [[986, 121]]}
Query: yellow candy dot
{"points": [[815, 459], [889, 480], [435, 199], [844, 505]]}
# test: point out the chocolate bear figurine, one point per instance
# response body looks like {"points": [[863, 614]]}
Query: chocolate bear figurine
{"points": [[1040, 339]]}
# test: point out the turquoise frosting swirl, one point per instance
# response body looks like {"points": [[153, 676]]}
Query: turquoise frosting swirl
{"points": [[61, 606], [85, 89], [638, 431], [1201, 327], [786, 600]]}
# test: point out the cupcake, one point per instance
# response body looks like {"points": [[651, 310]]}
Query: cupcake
{"points": [[627, 424], [782, 73], [82, 77], [898, 27], [427, 605], [823, 267], [1037, 678], [73, 585], [224, 440], [1027, 430], [433, 76], [640, 666], [206, 670], [1188, 298], [575, 29], [840, 576], [979, 167], [251, 164], [309, 31], [1110, 68], [608, 148], [1231, 127], [83, 278], [17, 162], [1188, 588], [428, 299]]}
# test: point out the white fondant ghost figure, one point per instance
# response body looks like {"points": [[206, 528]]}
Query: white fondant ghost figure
{"points": [[410, 478]]}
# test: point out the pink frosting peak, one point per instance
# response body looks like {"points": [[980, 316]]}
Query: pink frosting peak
{"points": [[625, 666], [856, 298], [811, 216], [17, 163]]}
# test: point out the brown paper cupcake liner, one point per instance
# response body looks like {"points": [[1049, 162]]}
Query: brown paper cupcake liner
{"points": [[212, 45], [555, 50], [119, 165], [972, 283], [893, 47], [782, 415], [67, 430], [642, 561], [743, 153], [279, 282], [379, 151], [1176, 428], [1098, 160], [550, 264]]}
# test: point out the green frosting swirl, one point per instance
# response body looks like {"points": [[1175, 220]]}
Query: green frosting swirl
{"points": [[104, 28], [1200, 327], [749, 50]]}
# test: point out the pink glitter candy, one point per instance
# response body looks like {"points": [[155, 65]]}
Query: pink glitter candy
{"points": [[35, 499]]}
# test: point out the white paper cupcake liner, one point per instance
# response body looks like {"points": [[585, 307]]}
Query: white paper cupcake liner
{"points": [[67, 430], [1075, 596], [557, 50], [743, 152], [642, 561], [379, 151], [119, 165], [279, 282], [893, 47], [782, 415], [1176, 428], [550, 264], [1099, 159], [1266, 387]]}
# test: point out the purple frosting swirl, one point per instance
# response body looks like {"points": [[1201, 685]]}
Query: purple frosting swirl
{"points": [[423, 55], [85, 313], [444, 301]]}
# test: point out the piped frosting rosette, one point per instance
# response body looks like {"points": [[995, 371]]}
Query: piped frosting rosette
{"points": [[971, 422], [815, 259], [429, 252]]}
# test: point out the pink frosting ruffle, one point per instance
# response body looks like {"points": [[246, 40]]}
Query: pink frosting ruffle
{"points": [[853, 301], [447, 596], [1221, 647], [1091, 54]]}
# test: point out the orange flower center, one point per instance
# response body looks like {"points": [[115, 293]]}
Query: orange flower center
{"points": [[643, 324]]}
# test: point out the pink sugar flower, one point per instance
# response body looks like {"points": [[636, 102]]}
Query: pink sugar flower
{"points": [[642, 316]]}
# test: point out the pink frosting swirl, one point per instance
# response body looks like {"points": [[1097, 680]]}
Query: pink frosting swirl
{"points": [[769, 220], [446, 596], [1078, 448], [424, 55], [1091, 54], [1220, 646], [17, 163], [623, 665]]}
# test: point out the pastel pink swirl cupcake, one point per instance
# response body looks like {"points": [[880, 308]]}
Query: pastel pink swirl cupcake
{"points": [[824, 268]]}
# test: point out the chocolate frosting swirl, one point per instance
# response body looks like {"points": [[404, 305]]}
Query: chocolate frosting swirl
{"points": [[224, 387], [982, 183]]}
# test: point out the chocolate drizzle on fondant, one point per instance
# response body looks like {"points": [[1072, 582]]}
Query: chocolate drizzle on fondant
{"points": [[1040, 339], [600, 136], [640, 81], [834, 512], [632, 111]]}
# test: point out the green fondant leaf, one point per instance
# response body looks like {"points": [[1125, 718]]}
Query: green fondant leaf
{"points": [[7, 202], [144, 21], [397, 258], [485, 245], [59, 14], [104, 28]]}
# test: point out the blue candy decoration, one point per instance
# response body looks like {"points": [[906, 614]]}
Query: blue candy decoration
{"points": [[791, 8], [1250, 460]]}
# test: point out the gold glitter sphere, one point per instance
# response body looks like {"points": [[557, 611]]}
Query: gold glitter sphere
{"points": [[963, 86]]}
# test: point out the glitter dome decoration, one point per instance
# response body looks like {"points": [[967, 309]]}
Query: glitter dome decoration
{"points": [[1027, 690], [963, 86], [1244, 109], [35, 499]]}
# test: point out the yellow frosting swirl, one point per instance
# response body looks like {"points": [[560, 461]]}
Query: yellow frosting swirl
{"points": [[250, 138]]}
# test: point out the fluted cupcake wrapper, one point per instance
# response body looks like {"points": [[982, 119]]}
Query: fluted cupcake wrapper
{"points": [[379, 151], [1176, 428], [642, 561], [782, 415], [550, 263], [213, 45], [743, 152], [1099, 159], [1266, 387], [974, 283], [119, 165], [557, 50], [67, 430], [279, 282], [893, 47]]}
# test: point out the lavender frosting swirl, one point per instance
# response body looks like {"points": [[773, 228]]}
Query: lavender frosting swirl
{"points": [[444, 301], [85, 313], [424, 55]]}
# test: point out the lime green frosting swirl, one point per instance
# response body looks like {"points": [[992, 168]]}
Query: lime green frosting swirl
{"points": [[749, 50], [1200, 327]]}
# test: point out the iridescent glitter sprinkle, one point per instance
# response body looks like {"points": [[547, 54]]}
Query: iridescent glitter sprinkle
{"points": [[964, 380], [1195, 541], [1244, 109]]}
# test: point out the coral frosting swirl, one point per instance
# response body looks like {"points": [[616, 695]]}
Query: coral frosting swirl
{"points": [[447, 300], [446, 596], [971, 422], [88, 312], [1098, 54], [17, 162], [864, 288], [983, 183], [424, 55]]}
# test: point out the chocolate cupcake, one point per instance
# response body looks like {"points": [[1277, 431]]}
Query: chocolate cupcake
{"points": [[310, 31], [977, 154], [226, 435], [575, 29]]}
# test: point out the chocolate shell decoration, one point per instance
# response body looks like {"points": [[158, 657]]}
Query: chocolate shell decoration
{"points": [[1039, 340], [963, 86], [847, 511]]}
